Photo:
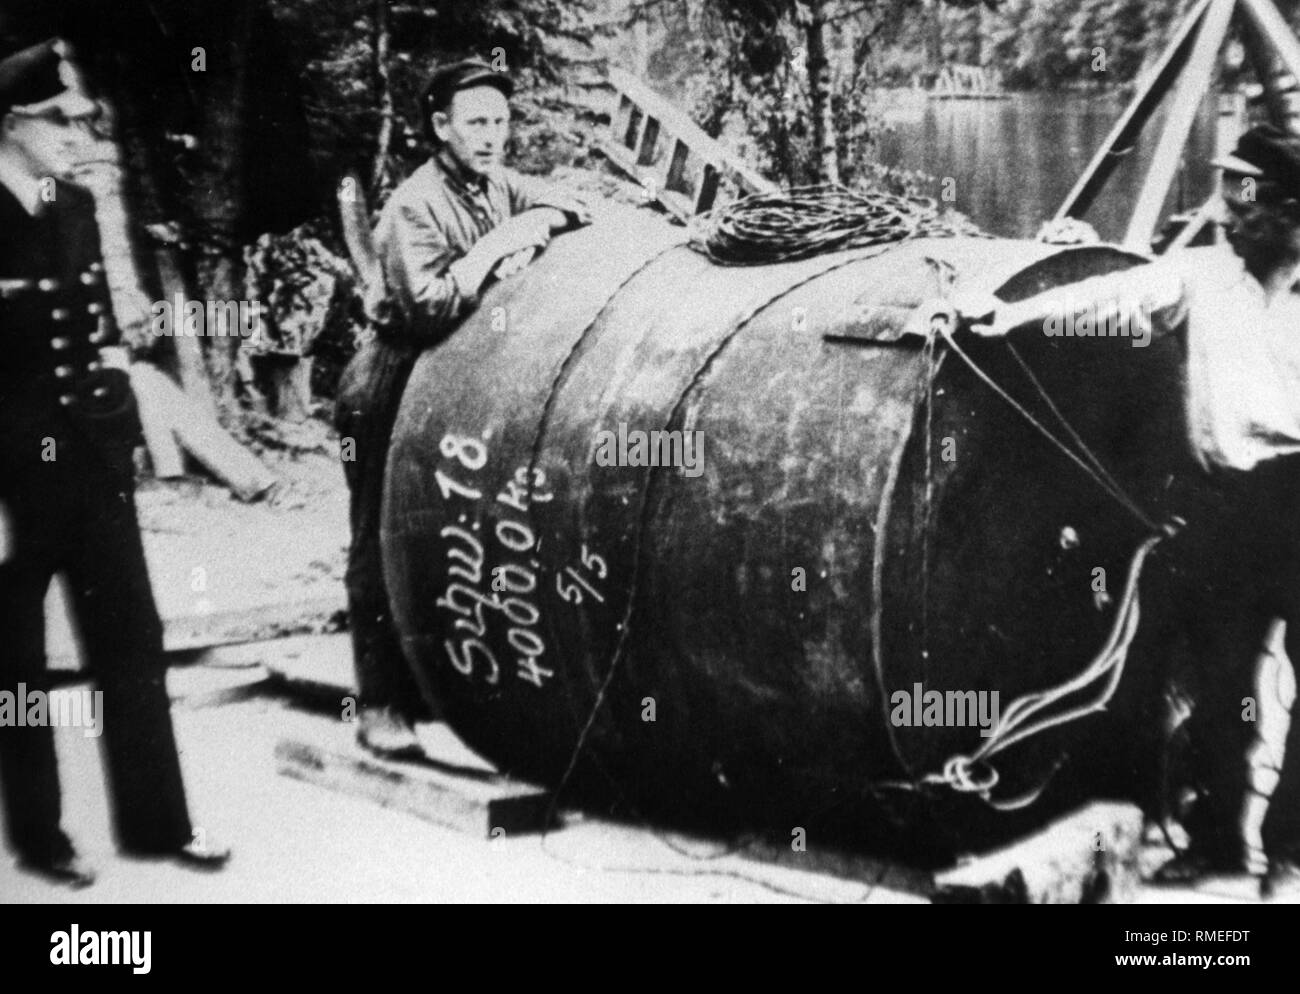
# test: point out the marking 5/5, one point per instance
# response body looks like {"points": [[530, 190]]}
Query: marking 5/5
{"points": [[570, 584]]}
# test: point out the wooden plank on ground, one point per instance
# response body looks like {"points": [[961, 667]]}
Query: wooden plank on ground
{"points": [[201, 434], [189, 351], [836, 861], [487, 807], [1088, 857], [159, 437], [318, 667], [249, 623]]}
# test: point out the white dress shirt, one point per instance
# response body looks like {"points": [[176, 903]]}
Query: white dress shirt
{"points": [[1243, 363]]}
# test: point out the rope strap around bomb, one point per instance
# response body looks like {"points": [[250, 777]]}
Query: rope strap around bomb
{"points": [[809, 220], [1032, 714]]}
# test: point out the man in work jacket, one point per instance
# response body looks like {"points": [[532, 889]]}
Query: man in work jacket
{"points": [[460, 220]]}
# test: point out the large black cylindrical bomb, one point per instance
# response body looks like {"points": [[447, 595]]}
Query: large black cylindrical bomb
{"points": [[852, 516]]}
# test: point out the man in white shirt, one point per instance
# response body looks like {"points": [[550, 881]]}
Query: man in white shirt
{"points": [[1242, 404], [1243, 417]]}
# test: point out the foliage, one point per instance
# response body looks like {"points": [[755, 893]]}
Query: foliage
{"points": [[335, 42], [745, 67], [788, 83]]}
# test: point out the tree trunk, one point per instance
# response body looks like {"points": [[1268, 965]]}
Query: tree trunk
{"points": [[220, 193], [935, 39], [380, 38], [826, 159], [640, 37]]}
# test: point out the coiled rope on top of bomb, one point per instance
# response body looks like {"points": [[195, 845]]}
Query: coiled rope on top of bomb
{"points": [[809, 220]]}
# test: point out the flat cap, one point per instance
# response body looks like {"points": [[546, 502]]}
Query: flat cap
{"points": [[1269, 154], [29, 75], [446, 80]]}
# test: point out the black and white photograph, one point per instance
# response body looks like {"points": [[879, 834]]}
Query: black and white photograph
{"points": [[701, 452]]}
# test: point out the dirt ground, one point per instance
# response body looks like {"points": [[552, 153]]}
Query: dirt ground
{"points": [[295, 842], [228, 571], [298, 842], [224, 571]]}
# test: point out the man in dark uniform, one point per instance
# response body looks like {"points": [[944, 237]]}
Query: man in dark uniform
{"points": [[458, 221], [67, 430]]}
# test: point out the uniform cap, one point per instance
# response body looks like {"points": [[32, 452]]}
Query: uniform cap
{"points": [[29, 76], [1269, 154], [445, 81]]}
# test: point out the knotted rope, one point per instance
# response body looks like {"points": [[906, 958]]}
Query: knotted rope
{"points": [[808, 220]]}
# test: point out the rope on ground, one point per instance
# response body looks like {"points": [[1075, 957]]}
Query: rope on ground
{"points": [[808, 220]]}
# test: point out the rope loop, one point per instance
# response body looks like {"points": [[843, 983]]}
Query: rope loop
{"points": [[958, 773], [1031, 714], [1034, 713]]}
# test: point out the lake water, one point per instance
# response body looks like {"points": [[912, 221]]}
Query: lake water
{"points": [[1014, 161]]}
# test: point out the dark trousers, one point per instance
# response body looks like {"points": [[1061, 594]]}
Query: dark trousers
{"points": [[369, 395], [1258, 576], [76, 515], [1282, 826]]}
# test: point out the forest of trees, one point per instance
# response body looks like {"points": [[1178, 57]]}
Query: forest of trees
{"points": [[792, 81], [1037, 43], [293, 94]]}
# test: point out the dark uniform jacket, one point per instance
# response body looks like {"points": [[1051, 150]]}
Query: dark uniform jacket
{"points": [[68, 508], [55, 316]]}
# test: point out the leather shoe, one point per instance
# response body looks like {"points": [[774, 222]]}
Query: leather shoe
{"points": [[388, 734], [200, 854], [68, 868], [1193, 865], [1283, 876], [196, 854]]}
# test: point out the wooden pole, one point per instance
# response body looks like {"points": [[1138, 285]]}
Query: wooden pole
{"points": [[1207, 213], [1134, 119], [1281, 87], [1193, 85], [1265, 16], [383, 83]]}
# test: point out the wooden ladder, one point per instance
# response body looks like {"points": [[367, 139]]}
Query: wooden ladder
{"points": [[670, 156]]}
